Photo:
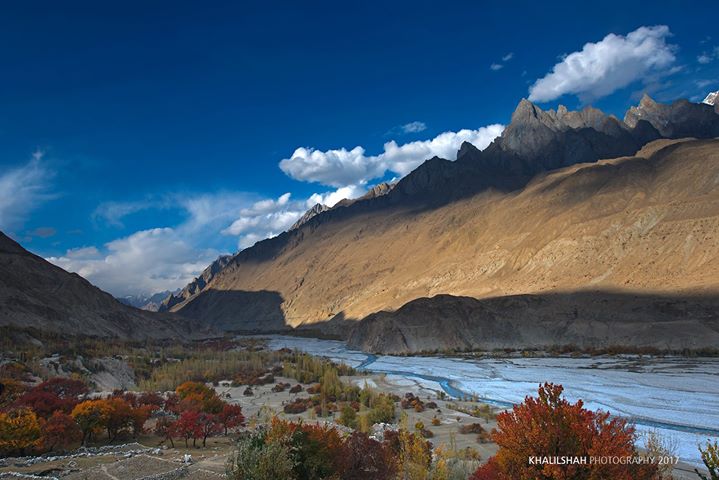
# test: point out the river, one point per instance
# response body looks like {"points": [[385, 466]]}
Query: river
{"points": [[676, 397]]}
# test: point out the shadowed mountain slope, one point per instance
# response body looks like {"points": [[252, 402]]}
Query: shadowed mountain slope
{"points": [[36, 294]]}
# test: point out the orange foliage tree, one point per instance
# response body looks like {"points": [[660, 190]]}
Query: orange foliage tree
{"points": [[60, 431], [548, 426]]}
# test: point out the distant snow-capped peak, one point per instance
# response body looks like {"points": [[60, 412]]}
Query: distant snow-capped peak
{"points": [[711, 98]]}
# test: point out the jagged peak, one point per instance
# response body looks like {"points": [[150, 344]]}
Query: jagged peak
{"points": [[525, 110]]}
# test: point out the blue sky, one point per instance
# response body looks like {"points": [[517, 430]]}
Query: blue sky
{"points": [[141, 140]]}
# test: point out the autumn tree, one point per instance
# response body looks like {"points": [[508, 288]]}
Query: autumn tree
{"points": [[710, 457], [550, 426], [209, 425], [65, 388], [44, 403], [165, 429], [19, 430], [138, 417], [91, 416], [188, 427], [230, 417], [363, 458], [119, 417], [60, 431]]}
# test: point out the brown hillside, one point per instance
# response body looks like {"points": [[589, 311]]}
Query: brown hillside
{"points": [[647, 223]]}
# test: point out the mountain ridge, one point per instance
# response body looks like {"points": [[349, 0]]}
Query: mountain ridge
{"points": [[429, 234]]}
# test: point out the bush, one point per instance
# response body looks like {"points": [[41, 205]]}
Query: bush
{"points": [[471, 428], [348, 416], [299, 405]]}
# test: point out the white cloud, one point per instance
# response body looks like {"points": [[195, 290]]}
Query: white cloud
{"points": [[342, 168], [704, 59], [22, 190], [496, 66], [508, 57], [606, 66], [147, 261], [267, 216], [413, 127], [331, 198]]}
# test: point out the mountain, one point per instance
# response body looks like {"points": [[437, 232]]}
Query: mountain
{"points": [[34, 294], [680, 119], [150, 303], [711, 99], [312, 212], [561, 203], [197, 285]]}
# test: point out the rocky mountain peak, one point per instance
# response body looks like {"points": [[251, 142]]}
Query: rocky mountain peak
{"points": [[311, 213], [676, 120]]}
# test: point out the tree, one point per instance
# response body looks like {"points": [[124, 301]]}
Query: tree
{"points": [[710, 457], [366, 459], [165, 428], [44, 403], [19, 430], [196, 388], [188, 427], [231, 417], [256, 458], [488, 471], [65, 388], [60, 430], [209, 425], [138, 417], [119, 417], [91, 416], [550, 426], [348, 416]]}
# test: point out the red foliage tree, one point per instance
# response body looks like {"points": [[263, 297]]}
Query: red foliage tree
{"points": [[488, 471], [366, 459], [231, 417], [43, 403], [188, 427], [209, 425], [550, 426], [64, 387], [60, 431]]}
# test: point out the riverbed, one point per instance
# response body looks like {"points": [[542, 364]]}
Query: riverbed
{"points": [[676, 397]]}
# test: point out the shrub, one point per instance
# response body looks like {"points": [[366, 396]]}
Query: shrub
{"points": [[256, 459], [348, 416], [299, 405], [471, 428], [382, 411], [296, 389]]}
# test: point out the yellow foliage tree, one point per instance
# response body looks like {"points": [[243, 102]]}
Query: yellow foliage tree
{"points": [[91, 416], [19, 430]]}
